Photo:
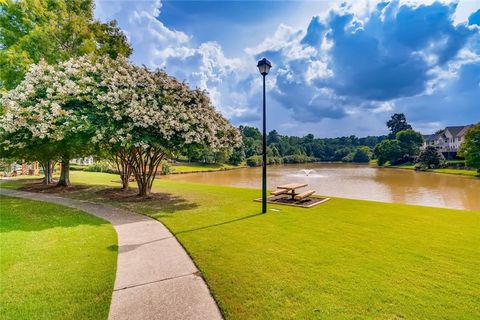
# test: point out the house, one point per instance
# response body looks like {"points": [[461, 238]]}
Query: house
{"points": [[447, 141], [83, 161]]}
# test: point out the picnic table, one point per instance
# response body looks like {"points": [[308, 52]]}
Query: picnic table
{"points": [[291, 187]]}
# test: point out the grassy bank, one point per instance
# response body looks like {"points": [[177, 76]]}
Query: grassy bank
{"points": [[343, 259], [462, 172], [185, 167], [56, 262]]}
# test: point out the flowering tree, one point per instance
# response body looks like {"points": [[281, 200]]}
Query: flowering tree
{"points": [[45, 116], [137, 115], [144, 116]]}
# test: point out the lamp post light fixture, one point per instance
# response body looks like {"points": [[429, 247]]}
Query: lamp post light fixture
{"points": [[264, 67]]}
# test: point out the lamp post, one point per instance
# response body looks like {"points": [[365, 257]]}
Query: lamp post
{"points": [[264, 67]]}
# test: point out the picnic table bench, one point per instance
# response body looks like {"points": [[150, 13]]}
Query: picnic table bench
{"points": [[290, 189]]}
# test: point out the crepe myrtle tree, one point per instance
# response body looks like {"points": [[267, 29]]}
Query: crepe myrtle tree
{"points": [[143, 116], [46, 115]]}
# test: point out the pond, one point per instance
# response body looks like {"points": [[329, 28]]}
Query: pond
{"points": [[357, 182]]}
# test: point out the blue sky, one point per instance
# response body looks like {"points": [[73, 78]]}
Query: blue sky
{"points": [[339, 68]]}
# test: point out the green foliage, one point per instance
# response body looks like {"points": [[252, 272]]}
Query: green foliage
{"points": [[397, 123], [165, 168], [327, 149], [238, 155], [429, 157], [421, 167], [53, 31], [101, 166], [388, 150], [470, 148], [361, 155], [298, 158], [410, 141], [256, 161]]}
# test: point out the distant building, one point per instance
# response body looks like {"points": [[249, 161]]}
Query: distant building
{"points": [[447, 141], [84, 161]]}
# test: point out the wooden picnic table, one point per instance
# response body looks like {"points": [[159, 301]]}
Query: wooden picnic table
{"points": [[291, 187]]}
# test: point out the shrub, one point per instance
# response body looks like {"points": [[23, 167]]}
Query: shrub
{"points": [[421, 167], [101, 167], [430, 157], [361, 155], [298, 158], [254, 161], [165, 168]]}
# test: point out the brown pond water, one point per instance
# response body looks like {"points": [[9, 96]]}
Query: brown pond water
{"points": [[357, 182]]}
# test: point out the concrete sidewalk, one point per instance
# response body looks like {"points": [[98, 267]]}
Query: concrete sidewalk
{"points": [[156, 279]]}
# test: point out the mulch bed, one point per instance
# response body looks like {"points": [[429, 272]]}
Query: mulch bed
{"points": [[50, 188], [287, 200], [130, 195]]}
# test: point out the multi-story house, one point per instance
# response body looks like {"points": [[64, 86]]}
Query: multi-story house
{"points": [[447, 141]]}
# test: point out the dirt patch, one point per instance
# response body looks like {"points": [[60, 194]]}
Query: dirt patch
{"points": [[51, 188], [131, 195]]}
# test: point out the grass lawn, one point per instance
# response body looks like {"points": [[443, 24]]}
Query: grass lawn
{"points": [[344, 259], [184, 167], [462, 172], [55, 262]]}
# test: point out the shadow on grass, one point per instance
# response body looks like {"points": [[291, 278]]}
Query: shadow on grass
{"points": [[220, 223]]}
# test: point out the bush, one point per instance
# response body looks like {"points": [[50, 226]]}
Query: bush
{"points": [[254, 161], [165, 168], [101, 167], [421, 167], [455, 164], [298, 158], [430, 157], [361, 155]]}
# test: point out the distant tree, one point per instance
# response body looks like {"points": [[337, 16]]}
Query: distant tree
{"points": [[429, 157], [54, 31], [470, 148], [397, 123], [250, 132], [410, 141], [237, 156], [361, 155], [273, 137], [388, 150]]}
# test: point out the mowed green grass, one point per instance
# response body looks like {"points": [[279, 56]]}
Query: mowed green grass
{"points": [[184, 167], [55, 262], [344, 259]]}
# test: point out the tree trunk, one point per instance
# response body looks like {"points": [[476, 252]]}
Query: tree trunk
{"points": [[48, 167], [64, 180], [144, 167], [124, 166]]}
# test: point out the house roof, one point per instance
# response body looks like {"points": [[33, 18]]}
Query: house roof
{"points": [[464, 130], [429, 137], [458, 131]]}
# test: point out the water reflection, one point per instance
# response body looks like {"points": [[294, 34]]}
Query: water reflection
{"points": [[358, 182]]}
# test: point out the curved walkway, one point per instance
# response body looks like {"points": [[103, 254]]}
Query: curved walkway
{"points": [[156, 279]]}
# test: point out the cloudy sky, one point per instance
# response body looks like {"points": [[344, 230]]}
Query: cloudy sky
{"points": [[339, 68]]}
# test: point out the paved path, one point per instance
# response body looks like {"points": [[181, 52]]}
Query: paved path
{"points": [[156, 279]]}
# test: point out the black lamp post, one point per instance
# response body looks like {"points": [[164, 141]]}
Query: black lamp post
{"points": [[264, 67]]}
